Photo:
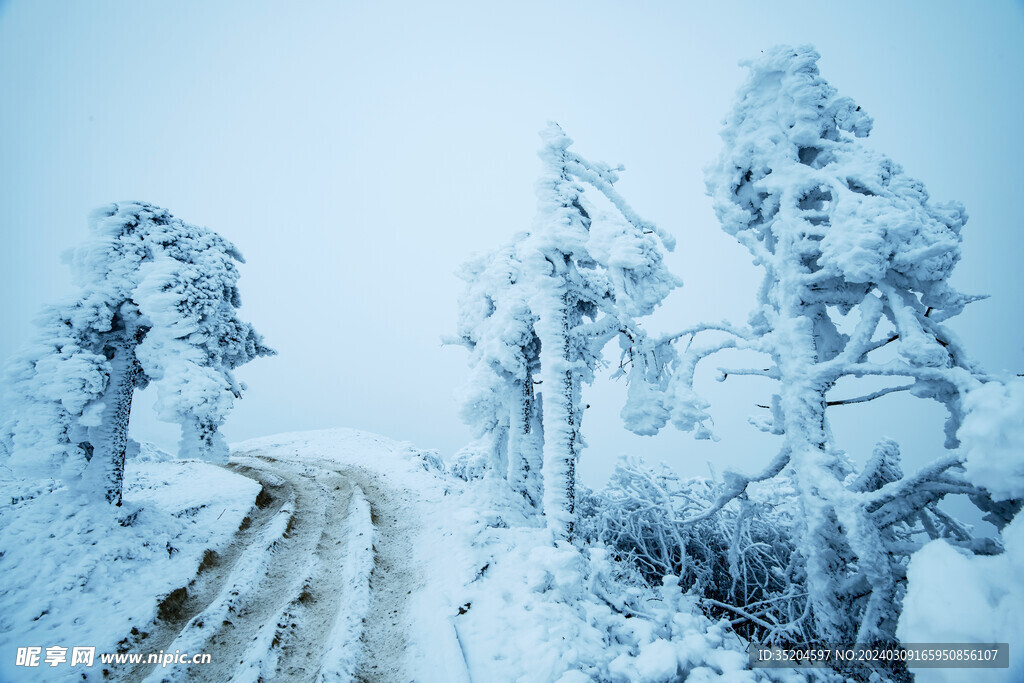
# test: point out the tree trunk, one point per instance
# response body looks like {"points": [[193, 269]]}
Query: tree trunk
{"points": [[850, 578], [525, 443], [802, 398], [819, 524], [203, 441], [108, 441], [561, 410]]}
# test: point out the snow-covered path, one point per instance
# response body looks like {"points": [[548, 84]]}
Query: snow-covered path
{"points": [[298, 595], [392, 580]]}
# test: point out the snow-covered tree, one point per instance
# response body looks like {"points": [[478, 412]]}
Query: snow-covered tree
{"points": [[856, 264], [499, 403], [156, 303], [539, 314], [591, 275]]}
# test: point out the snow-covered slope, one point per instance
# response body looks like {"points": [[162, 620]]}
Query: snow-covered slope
{"points": [[75, 575], [358, 557]]}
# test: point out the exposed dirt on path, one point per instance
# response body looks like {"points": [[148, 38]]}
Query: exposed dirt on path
{"points": [[267, 607], [392, 582], [181, 606]]}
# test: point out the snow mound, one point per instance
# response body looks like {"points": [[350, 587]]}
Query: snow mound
{"points": [[992, 435], [80, 574], [953, 597]]}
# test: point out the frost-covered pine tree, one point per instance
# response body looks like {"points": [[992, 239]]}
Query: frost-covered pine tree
{"points": [[538, 316], [156, 303], [856, 264], [499, 403]]}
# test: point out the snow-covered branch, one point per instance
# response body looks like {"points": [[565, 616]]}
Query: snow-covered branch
{"points": [[736, 485], [870, 397]]}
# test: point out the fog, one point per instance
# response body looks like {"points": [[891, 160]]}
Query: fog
{"points": [[358, 153]]}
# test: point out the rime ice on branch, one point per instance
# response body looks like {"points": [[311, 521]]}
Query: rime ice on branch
{"points": [[840, 231], [537, 315], [156, 303]]}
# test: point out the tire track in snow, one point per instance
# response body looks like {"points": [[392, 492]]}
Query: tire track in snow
{"points": [[212, 576], [275, 610], [302, 596], [392, 581]]}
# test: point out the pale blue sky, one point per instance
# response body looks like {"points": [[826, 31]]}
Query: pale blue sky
{"points": [[357, 153]]}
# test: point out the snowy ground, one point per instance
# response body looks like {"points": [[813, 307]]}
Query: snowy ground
{"points": [[336, 555], [276, 612], [465, 589], [77, 575]]}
